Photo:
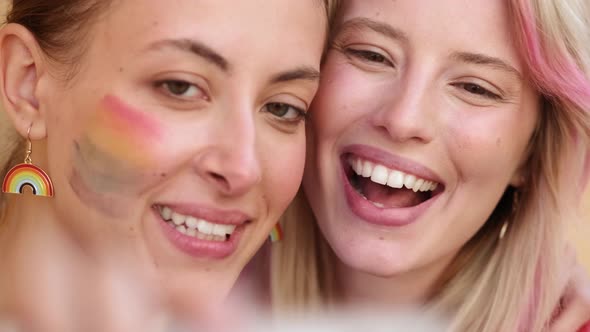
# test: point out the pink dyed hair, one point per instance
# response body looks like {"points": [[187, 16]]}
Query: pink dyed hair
{"points": [[559, 76], [554, 71]]}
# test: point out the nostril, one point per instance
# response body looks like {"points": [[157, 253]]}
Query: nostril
{"points": [[220, 179], [217, 176]]}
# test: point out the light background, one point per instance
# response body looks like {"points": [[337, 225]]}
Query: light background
{"points": [[580, 234]]}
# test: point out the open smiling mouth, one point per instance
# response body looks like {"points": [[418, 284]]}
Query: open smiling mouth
{"points": [[194, 227], [388, 188]]}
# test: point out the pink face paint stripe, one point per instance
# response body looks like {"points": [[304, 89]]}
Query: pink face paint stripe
{"points": [[126, 134], [135, 119]]}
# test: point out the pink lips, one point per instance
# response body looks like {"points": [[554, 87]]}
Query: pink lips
{"points": [[367, 211], [199, 248]]}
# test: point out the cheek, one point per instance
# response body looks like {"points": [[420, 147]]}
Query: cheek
{"points": [[486, 148], [343, 106], [115, 158], [283, 162], [345, 96]]}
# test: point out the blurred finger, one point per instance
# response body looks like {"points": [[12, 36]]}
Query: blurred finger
{"points": [[576, 304]]}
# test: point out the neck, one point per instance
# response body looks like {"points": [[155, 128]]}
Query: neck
{"points": [[50, 281], [408, 290]]}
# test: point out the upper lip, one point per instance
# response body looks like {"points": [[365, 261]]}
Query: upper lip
{"points": [[391, 161], [211, 214]]}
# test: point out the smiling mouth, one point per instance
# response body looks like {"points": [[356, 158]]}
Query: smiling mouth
{"points": [[388, 188], [195, 227]]}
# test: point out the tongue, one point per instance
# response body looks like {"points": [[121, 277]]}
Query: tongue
{"points": [[390, 197]]}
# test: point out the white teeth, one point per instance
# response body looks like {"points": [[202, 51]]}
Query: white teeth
{"points": [[392, 178], [218, 230], [380, 174], [205, 227], [166, 213], [409, 181], [181, 229], [357, 166], [198, 228], [192, 222], [379, 205], [178, 219], [418, 185], [396, 179], [367, 169], [191, 232]]}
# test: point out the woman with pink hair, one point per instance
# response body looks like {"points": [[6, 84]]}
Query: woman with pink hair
{"points": [[446, 155]]}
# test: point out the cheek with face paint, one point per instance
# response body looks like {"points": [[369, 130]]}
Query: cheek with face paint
{"points": [[114, 157]]}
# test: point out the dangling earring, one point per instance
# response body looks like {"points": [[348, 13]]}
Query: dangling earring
{"points": [[28, 175], [503, 230], [515, 202], [276, 234]]}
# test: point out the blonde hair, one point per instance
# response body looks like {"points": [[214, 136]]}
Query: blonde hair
{"points": [[492, 285]]}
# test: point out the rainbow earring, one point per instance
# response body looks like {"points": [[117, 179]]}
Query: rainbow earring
{"points": [[276, 234], [28, 175]]}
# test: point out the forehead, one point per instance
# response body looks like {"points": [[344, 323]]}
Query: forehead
{"points": [[234, 28], [446, 24]]}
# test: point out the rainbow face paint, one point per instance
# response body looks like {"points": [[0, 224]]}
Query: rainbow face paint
{"points": [[122, 132], [114, 159], [276, 234], [27, 175]]}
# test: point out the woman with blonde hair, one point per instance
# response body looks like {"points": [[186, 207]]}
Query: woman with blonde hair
{"points": [[446, 158], [153, 143]]}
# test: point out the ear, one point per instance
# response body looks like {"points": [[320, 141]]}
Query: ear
{"points": [[21, 64], [519, 176]]}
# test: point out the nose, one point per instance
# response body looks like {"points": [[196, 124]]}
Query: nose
{"points": [[230, 163], [407, 113]]}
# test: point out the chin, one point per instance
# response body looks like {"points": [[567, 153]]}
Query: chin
{"points": [[380, 258]]}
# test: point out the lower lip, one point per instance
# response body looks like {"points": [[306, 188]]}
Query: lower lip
{"points": [[198, 248], [393, 217]]}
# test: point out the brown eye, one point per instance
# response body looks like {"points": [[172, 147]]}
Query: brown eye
{"points": [[284, 111], [181, 89], [474, 88], [177, 87], [369, 56], [478, 90]]}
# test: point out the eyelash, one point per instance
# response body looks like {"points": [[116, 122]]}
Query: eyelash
{"points": [[301, 115], [483, 92], [369, 56], [167, 85], [375, 58]]}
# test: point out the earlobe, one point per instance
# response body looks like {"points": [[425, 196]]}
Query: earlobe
{"points": [[20, 68], [518, 178]]}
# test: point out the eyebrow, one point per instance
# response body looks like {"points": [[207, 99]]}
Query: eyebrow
{"points": [[195, 47], [482, 59], [385, 29], [302, 73]]}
